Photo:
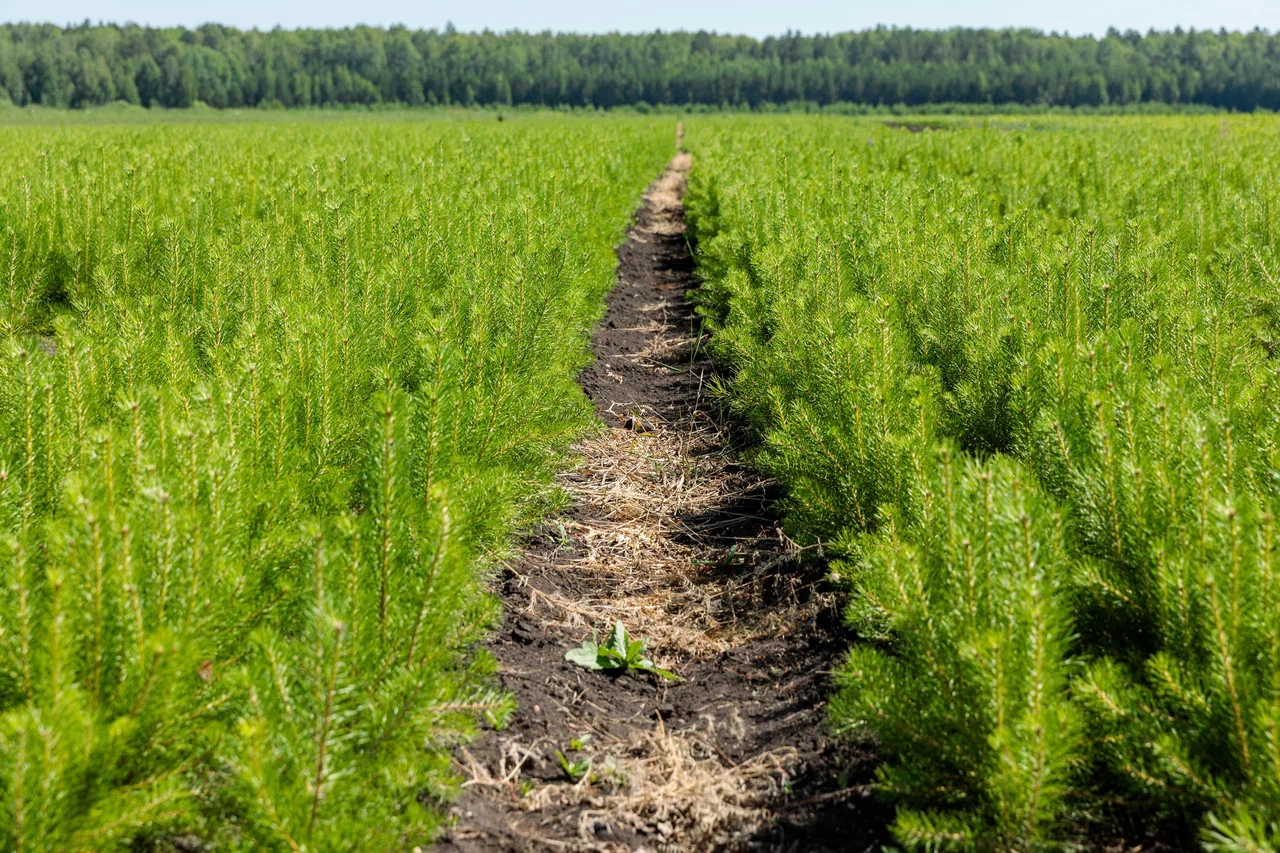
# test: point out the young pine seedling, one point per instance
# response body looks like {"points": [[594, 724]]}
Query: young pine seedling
{"points": [[617, 654]]}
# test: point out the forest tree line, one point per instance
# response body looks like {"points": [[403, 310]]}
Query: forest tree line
{"points": [[220, 66]]}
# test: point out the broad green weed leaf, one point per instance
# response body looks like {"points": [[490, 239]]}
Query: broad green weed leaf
{"points": [[586, 656]]}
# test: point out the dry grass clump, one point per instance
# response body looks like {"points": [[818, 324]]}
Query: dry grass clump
{"points": [[656, 500], [664, 199], [675, 789]]}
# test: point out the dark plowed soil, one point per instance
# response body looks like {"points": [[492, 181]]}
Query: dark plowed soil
{"points": [[735, 757]]}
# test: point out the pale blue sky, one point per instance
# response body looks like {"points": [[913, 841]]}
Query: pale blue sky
{"points": [[753, 17]]}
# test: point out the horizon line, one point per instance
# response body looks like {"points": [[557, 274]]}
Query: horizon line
{"points": [[449, 29]]}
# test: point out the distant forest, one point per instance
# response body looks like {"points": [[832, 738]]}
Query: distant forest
{"points": [[224, 67]]}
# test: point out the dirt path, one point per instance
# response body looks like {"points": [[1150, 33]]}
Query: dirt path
{"points": [[669, 534]]}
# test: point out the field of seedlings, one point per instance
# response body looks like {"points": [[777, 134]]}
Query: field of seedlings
{"points": [[273, 396], [1022, 379], [278, 395]]}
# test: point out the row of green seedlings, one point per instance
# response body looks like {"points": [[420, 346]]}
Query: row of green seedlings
{"points": [[1058, 646], [250, 467], [187, 647]]}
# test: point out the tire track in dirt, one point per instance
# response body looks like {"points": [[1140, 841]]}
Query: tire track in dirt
{"points": [[670, 534]]}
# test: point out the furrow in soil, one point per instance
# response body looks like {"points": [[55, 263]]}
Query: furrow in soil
{"points": [[671, 534]]}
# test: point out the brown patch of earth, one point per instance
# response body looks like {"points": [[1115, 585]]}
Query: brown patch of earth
{"points": [[678, 540], [914, 127]]}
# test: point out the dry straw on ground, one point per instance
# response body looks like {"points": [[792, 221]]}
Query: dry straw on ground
{"points": [[671, 788], [655, 498]]}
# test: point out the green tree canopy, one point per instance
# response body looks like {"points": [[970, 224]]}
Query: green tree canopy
{"points": [[225, 67]]}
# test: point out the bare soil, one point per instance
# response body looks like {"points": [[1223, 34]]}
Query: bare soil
{"points": [[671, 534], [915, 127]]}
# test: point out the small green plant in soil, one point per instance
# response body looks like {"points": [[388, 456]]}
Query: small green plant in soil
{"points": [[575, 769], [618, 654], [604, 772]]}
